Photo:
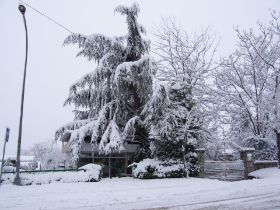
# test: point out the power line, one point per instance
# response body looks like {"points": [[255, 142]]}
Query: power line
{"points": [[46, 16]]}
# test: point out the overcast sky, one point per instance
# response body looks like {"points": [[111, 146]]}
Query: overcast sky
{"points": [[52, 68]]}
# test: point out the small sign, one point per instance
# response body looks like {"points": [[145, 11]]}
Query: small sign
{"points": [[7, 134]]}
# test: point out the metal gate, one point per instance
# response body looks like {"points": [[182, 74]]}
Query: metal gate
{"points": [[224, 170]]}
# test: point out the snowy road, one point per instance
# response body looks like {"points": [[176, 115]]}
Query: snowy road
{"points": [[128, 193]]}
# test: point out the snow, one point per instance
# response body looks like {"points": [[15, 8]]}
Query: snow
{"points": [[9, 168], [161, 168], [89, 172], [90, 167], [95, 46], [266, 173], [135, 72], [129, 193], [135, 9], [111, 140], [129, 129]]}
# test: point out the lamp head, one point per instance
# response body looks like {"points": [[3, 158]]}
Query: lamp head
{"points": [[22, 9]]}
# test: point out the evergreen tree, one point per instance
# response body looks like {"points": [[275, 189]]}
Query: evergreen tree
{"points": [[173, 128], [109, 100], [177, 112]]}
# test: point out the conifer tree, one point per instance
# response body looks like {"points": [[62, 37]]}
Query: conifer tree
{"points": [[109, 100], [177, 113]]}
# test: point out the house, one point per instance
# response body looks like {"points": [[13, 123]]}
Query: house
{"points": [[118, 162]]}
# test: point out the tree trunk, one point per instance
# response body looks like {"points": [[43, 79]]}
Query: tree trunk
{"points": [[278, 147], [136, 101]]}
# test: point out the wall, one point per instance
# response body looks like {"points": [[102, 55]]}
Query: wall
{"points": [[265, 164]]}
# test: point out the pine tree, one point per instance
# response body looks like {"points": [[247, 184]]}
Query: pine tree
{"points": [[109, 100], [172, 125]]}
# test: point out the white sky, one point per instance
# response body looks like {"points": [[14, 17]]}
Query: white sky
{"points": [[52, 68]]}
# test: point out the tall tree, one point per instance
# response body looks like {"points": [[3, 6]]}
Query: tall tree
{"points": [[177, 113], [109, 100], [248, 85], [274, 62]]}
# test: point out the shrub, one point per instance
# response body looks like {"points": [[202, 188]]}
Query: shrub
{"points": [[153, 168]]}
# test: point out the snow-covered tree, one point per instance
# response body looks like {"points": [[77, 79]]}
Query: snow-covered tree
{"points": [[109, 100], [48, 154], [176, 112], [247, 84], [273, 59]]}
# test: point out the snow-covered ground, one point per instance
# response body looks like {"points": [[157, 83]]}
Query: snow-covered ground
{"points": [[87, 173], [266, 173], [129, 193]]}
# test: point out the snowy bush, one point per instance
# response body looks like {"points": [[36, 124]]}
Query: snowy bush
{"points": [[87, 173], [153, 168]]}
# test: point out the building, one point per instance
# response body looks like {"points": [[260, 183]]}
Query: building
{"points": [[118, 162]]}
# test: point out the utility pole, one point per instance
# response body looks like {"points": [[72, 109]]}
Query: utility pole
{"points": [[4, 149], [17, 180]]}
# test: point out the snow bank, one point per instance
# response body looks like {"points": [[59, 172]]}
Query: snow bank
{"points": [[266, 173], [152, 168], [87, 173]]}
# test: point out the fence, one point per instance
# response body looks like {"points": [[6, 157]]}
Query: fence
{"points": [[42, 171], [224, 170]]}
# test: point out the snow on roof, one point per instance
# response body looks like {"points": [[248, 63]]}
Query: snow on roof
{"points": [[244, 149], [22, 157], [228, 151], [238, 147]]}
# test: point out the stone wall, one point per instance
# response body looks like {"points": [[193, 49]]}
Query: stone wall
{"points": [[247, 155], [265, 164], [201, 160]]}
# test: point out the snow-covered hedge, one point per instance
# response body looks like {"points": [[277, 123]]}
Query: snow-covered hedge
{"points": [[266, 173], [9, 169], [87, 173], [153, 168]]}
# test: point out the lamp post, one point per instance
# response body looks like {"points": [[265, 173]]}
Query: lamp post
{"points": [[17, 180]]}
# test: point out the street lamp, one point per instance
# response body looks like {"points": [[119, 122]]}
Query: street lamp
{"points": [[17, 180]]}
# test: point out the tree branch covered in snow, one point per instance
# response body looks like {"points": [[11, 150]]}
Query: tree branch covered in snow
{"points": [[181, 99], [247, 84], [115, 92]]}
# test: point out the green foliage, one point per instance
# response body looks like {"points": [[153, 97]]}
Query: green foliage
{"points": [[176, 174], [149, 174], [169, 150]]}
